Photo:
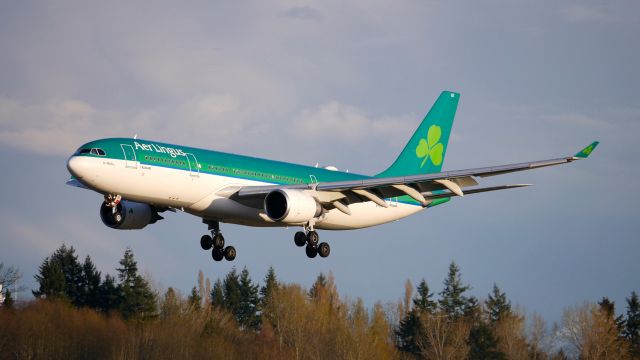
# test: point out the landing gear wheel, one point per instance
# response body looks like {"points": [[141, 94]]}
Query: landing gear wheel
{"points": [[300, 239], [229, 253], [206, 242], [217, 254], [324, 249], [313, 238], [117, 217], [218, 241], [311, 251]]}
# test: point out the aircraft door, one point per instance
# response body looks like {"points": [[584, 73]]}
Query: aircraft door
{"points": [[194, 165], [129, 156]]}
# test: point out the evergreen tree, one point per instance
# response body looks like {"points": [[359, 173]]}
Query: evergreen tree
{"points": [[195, 301], [138, 299], [128, 270], [410, 332], [632, 324], [483, 344], [60, 276], [452, 301], [148, 300], [248, 308], [91, 279], [472, 310], [318, 285], [608, 307], [110, 295], [231, 292], [51, 282], [270, 285], [170, 304], [8, 300], [68, 260], [497, 305], [423, 300], [217, 294]]}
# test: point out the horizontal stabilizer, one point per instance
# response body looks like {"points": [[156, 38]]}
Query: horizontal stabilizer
{"points": [[447, 193]]}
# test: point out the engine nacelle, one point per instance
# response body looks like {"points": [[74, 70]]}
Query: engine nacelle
{"points": [[291, 206], [129, 215]]}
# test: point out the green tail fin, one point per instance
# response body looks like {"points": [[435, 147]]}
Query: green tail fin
{"points": [[424, 153]]}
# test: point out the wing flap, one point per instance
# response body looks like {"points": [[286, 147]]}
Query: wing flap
{"points": [[446, 194]]}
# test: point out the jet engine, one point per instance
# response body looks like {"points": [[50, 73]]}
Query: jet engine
{"points": [[128, 215], [291, 206]]}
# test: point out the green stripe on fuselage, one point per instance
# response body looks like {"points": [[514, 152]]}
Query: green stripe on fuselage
{"points": [[223, 164]]}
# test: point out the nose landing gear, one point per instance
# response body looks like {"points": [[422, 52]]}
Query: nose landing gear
{"points": [[215, 243]]}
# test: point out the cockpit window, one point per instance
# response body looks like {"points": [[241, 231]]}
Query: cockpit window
{"points": [[93, 151]]}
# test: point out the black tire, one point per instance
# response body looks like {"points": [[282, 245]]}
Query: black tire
{"points": [[300, 238], [229, 253], [217, 254], [218, 241], [324, 250], [311, 251], [313, 238], [206, 242]]}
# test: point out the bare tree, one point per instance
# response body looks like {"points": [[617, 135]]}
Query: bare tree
{"points": [[511, 336], [443, 338], [201, 288], [592, 333], [207, 298], [9, 276], [408, 295], [538, 338]]}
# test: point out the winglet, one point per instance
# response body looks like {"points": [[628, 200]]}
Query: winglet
{"points": [[584, 153]]}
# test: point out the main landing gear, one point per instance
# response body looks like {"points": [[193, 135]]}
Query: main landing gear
{"points": [[215, 243], [311, 239]]}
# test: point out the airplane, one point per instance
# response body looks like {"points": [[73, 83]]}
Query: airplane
{"points": [[140, 179]]}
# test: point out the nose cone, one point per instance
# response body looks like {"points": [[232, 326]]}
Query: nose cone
{"points": [[80, 167]]}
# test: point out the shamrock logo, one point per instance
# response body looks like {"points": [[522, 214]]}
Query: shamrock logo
{"points": [[588, 150], [431, 147]]}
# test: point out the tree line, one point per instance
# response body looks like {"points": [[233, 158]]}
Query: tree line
{"points": [[78, 313]]}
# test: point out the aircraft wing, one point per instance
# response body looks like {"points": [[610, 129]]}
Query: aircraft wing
{"points": [[422, 188]]}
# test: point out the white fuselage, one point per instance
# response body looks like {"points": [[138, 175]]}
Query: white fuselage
{"points": [[205, 195]]}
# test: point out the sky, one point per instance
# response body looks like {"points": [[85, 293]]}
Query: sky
{"points": [[343, 84]]}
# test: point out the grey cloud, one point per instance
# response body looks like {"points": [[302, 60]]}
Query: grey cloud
{"points": [[587, 13], [576, 119], [304, 13]]}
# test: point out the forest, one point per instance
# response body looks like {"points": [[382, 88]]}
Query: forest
{"points": [[77, 313]]}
